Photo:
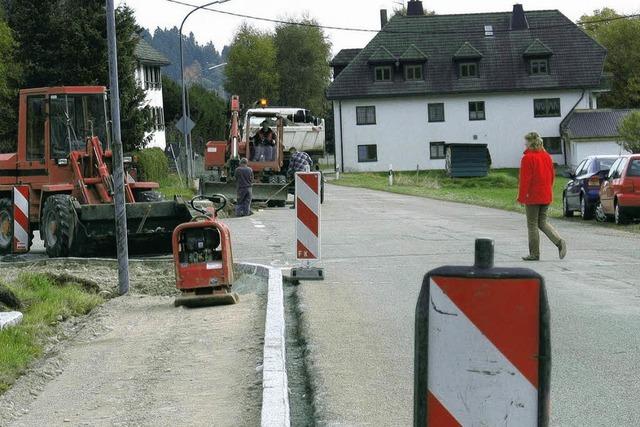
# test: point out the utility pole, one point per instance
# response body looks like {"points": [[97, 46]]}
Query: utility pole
{"points": [[118, 167]]}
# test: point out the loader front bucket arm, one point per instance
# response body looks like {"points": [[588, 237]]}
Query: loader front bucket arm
{"points": [[106, 189]]}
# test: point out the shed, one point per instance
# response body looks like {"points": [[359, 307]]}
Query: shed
{"points": [[467, 160], [592, 133]]}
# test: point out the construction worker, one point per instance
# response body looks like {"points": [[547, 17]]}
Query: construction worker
{"points": [[264, 142], [244, 184], [298, 162]]}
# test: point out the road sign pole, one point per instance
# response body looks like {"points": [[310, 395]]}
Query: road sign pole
{"points": [[118, 167]]}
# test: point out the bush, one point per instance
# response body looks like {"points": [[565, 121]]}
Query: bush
{"points": [[153, 164]]}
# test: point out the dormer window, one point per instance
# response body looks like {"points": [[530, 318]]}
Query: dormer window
{"points": [[467, 59], [382, 62], [537, 57], [539, 66], [382, 73], [413, 72], [468, 69]]}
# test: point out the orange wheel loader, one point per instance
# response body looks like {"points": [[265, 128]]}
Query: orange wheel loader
{"points": [[59, 182]]}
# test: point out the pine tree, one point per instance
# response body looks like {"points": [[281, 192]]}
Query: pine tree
{"points": [[9, 81]]}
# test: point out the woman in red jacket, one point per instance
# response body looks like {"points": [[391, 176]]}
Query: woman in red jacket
{"points": [[536, 193]]}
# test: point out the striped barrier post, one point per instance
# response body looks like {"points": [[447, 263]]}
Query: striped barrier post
{"points": [[21, 229], [482, 346], [308, 240]]}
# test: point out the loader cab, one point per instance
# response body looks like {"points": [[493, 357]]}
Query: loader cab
{"points": [[73, 119], [55, 121]]}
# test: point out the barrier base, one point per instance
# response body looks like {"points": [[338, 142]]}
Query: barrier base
{"points": [[310, 273]]}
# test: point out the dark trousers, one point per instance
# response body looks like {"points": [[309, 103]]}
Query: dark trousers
{"points": [[243, 203]]}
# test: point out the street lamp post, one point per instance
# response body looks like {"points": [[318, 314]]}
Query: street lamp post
{"points": [[187, 139], [213, 67]]}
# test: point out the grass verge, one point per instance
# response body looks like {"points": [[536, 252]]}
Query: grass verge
{"points": [[497, 190], [45, 303], [172, 186]]}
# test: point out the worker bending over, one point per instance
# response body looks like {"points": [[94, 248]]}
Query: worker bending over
{"points": [[298, 162]]}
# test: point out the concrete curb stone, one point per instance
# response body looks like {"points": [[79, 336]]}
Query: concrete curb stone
{"points": [[275, 389]]}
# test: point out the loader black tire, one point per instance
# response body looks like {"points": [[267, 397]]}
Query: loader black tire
{"points": [[58, 226], [6, 226]]}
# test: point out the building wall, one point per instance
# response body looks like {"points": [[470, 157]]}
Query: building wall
{"points": [[403, 133], [153, 99], [580, 149]]}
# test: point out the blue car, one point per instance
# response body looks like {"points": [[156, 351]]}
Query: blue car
{"points": [[582, 193]]}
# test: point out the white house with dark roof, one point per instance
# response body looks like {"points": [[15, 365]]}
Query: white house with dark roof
{"points": [[149, 77], [592, 132], [486, 78]]}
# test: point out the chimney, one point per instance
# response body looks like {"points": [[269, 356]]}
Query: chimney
{"points": [[414, 8], [518, 20], [383, 18]]}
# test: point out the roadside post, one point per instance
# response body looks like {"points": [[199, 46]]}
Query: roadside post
{"points": [[307, 199], [390, 175], [118, 166], [482, 346]]}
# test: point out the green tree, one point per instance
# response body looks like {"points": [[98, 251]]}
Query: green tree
{"points": [[302, 57], [251, 66], [63, 42], [171, 100], [209, 113], [206, 109], [402, 11], [621, 38], [9, 78], [629, 130]]}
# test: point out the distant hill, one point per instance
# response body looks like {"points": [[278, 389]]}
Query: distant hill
{"points": [[197, 58]]}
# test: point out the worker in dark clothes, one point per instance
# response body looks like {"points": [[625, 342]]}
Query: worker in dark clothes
{"points": [[244, 183], [265, 143]]}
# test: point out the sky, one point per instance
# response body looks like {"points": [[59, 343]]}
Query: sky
{"points": [[209, 26]]}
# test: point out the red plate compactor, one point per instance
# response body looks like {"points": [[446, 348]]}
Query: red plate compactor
{"points": [[202, 257]]}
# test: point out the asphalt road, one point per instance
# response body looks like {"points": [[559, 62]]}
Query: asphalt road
{"points": [[359, 322]]}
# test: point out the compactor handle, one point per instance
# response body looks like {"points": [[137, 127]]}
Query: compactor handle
{"points": [[219, 200]]}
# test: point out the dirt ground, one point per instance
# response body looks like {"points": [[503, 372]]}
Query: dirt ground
{"points": [[139, 361]]}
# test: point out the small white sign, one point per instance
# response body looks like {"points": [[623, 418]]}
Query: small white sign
{"points": [[214, 265], [212, 149]]}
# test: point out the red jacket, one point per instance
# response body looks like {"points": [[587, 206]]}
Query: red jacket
{"points": [[536, 178]]}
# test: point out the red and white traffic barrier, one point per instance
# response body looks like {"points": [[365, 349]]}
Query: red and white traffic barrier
{"points": [[308, 240], [482, 354], [308, 216], [21, 228]]}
